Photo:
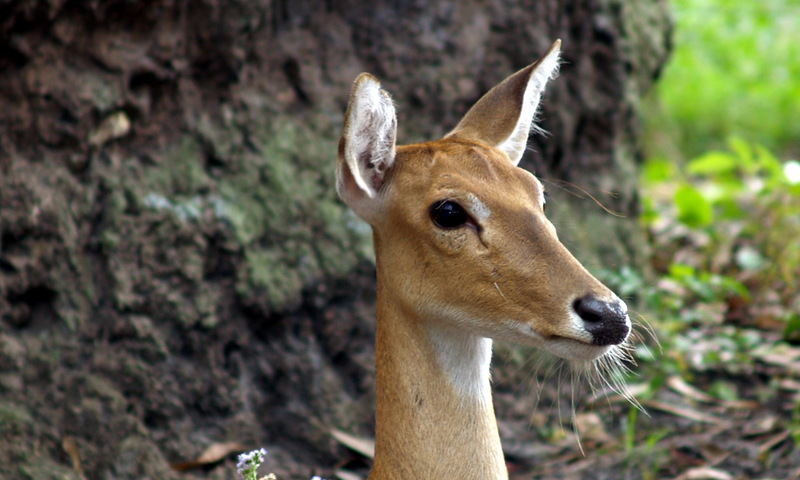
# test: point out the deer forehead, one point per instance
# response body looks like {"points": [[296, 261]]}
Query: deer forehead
{"points": [[480, 178]]}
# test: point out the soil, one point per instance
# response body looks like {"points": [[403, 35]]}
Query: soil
{"points": [[175, 270]]}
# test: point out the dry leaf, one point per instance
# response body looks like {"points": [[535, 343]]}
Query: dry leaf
{"points": [[760, 425], [347, 475], [681, 386], [114, 126], [686, 412], [364, 446], [773, 441], [781, 355], [69, 446], [215, 452], [590, 428], [705, 473]]}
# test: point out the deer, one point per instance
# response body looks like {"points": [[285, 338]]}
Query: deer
{"points": [[464, 255]]}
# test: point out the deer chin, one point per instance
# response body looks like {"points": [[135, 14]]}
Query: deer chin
{"points": [[572, 349], [577, 347]]}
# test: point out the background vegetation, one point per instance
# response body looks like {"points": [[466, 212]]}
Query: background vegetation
{"points": [[735, 71], [721, 203]]}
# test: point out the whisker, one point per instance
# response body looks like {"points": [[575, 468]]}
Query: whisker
{"points": [[500, 291], [574, 189], [575, 426], [605, 377], [649, 329]]}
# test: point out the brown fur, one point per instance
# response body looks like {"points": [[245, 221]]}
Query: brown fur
{"points": [[504, 275]]}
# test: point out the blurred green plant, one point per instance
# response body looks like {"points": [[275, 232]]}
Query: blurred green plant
{"points": [[643, 455], [735, 71], [723, 211], [740, 208], [724, 229], [721, 205]]}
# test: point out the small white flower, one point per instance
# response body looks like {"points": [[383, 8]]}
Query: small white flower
{"points": [[249, 462], [791, 170]]}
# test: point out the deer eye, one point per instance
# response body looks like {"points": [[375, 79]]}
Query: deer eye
{"points": [[448, 214]]}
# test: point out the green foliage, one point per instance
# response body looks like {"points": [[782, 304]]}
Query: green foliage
{"points": [[643, 455], [741, 207], [693, 209], [724, 230], [735, 71], [723, 213], [706, 286]]}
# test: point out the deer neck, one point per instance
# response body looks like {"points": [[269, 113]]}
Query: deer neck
{"points": [[435, 417]]}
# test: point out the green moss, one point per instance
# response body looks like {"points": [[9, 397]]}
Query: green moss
{"points": [[42, 468], [268, 277], [182, 172], [275, 200], [105, 93], [281, 205], [14, 419], [243, 204]]}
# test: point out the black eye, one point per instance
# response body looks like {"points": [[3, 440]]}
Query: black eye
{"points": [[448, 214]]}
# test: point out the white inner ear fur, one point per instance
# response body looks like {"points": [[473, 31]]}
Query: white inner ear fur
{"points": [[517, 142], [542, 200], [370, 137]]}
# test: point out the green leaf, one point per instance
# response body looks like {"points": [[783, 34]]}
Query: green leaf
{"points": [[649, 213], [713, 163], [693, 209], [743, 151], [724, 390], [728, 286], [792, 330], [657, 170], [728, 208], [680, 271], [770, 164]]}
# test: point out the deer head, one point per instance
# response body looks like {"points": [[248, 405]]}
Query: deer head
{"points": [[460, 231]]}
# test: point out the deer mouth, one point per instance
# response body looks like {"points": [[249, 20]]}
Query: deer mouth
{"points": [[570, 348]]}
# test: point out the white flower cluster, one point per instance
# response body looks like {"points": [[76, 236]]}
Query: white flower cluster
{"points": [[249, 462]]}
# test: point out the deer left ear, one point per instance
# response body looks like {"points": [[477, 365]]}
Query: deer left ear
{"points": [[366, 147], [504, 116]]}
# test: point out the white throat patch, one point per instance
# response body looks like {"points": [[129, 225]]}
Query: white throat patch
{"points": [[465, 359]]}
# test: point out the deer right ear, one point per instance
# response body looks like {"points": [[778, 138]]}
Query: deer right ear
{"points": [[504, 115], [366, 147]]}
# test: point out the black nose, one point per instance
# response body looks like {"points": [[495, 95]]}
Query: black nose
{"points": [[606, 321]]}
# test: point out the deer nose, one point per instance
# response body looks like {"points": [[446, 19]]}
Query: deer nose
{"points": [[607, 321]]}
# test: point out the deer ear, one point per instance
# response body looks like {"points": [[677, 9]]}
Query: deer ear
{"points": [[366, 147], [504, 116]]}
